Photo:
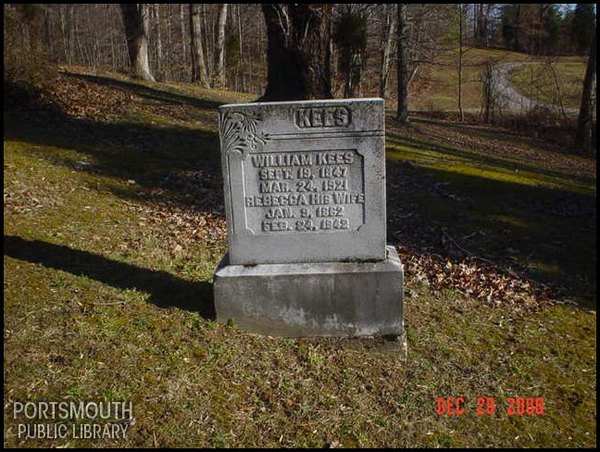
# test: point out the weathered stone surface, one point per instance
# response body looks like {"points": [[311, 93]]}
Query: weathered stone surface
{"points": [[304, 181], [305, 206], [313, 299]]}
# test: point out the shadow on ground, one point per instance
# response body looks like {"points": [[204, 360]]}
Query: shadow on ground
{"points": [[541, 233], [165, 290], [490, 160], [152, 156], [148, 92]]}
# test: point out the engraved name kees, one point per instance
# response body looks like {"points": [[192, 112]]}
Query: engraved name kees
{"points": [[305, 191], [323, 117]]}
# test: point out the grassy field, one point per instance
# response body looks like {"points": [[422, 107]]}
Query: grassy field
{"points": [[436, 86], [114, 224], [551, 83]]}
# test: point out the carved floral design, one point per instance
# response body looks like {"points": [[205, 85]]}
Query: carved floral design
{"points": [[239, 132]]}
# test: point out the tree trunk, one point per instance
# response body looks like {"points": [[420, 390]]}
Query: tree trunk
{"points": [[112, 41], [240, 37], [168, 46], [518, 29], [61, 20], [199, 73], [70, 36], [135, 19], [47, 35], [71, 26], [159, 56], [460, 60], [486, 25], [402, 67], [386, 51], [583, 138], [182, 30], [209, 42], [481, 16], [77, 34], [352, 88], [220, 48], [298, 51]]}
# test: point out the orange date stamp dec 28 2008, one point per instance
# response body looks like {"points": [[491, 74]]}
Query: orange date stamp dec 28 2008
{"points": [[489, 406]]}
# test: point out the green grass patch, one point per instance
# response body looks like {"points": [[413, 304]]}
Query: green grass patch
{"points": [[505, 205], [436, 86], [441, 79], [552, 83], [465, 162]]}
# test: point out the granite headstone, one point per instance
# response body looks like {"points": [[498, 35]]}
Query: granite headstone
{"points": [[305, 208]]}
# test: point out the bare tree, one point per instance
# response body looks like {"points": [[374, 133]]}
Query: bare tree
{"points": [[460, 8], [182, 30], [241, 47], [199, 72], [159, 56], [389, 29], [584, 137], [220, 46], [94, 35], [135, 19], [298, 51], [402, 65], [481, 29], [350, 38]]}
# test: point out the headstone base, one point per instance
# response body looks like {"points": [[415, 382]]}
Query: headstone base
{"points": [[316, 299]]}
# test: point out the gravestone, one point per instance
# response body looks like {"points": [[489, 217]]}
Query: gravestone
{"points": [[304, 187]]}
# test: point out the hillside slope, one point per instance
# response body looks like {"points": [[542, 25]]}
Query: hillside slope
{"points": [[114, 224]]}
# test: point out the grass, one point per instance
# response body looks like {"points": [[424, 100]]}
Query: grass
{"points": [[436, 86], [539, 81], [520, 205], [107, 292]]}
